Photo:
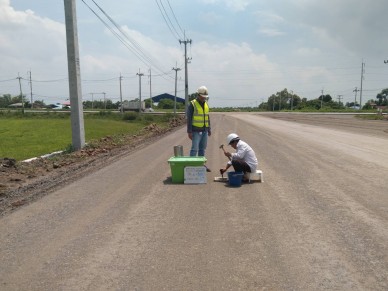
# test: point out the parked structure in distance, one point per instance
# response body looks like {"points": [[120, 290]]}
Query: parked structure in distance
{"points": [[133, 106]]}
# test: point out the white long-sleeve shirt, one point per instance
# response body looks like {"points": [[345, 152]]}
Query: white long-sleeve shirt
{"points": [[245, 152]]}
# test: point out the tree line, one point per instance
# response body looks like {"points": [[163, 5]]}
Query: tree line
{"points": [[282, 100], [7, 99], [287, 100]]}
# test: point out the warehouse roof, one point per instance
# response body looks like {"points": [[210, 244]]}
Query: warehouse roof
{"points": [[167, 96]]}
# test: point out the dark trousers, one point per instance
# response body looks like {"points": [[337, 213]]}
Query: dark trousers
{"points": [[240, 166]]}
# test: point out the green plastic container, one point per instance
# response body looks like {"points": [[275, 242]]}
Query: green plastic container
{"points": [[178, 165]]}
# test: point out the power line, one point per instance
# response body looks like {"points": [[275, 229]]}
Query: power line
{"points": [[175, 17], [125, 39], [167, 19], [13, 79], [46, 81], [120, 38]]}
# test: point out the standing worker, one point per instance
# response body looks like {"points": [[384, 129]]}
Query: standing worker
{"points": [[198, 123], [243, 160]]}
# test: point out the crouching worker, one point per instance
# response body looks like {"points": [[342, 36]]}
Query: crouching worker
{"points": [[243, 160]]}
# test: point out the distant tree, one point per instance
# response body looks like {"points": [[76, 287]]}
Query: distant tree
{"points": [[39, 104], [147, 103], [16, 99], [326, 98], [5, 100], [117, 104], [368, 104], [315, 104], [382, 97], [282, 100], [295, 100], [166, 104], [109, 104], [351, 104], [334, 105]]}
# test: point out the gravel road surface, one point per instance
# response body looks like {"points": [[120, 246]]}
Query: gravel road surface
{"points": [[318, 222]]}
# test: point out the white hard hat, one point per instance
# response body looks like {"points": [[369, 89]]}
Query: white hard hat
{"points": [[232, 137], [202, 91]]}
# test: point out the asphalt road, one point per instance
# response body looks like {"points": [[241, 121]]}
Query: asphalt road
{"points": [[318, 222]]}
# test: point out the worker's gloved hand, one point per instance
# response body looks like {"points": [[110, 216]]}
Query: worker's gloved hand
{"points": [[222, 171]]}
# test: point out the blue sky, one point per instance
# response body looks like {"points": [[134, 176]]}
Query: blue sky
{"points": [[242, 50]]}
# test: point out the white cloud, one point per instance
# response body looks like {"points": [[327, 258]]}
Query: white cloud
{"points": [[234, 5], [240, 49], [270, 31], [269, 23], [305, 51], [357, 26], [230, 70], [28, 39]]}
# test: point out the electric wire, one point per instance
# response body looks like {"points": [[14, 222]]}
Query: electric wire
{"points": [[137, 54], [176, 20], [134, 42], [45, 81], [8, 80], [127, 41], [165, 20], [166, 17]]}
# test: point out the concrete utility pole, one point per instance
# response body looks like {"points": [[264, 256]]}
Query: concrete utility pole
{"points": [[92, 99], [121, 96], [292, 100], [176, 75], [362, 78], [140, 75], [104, 100], [339, 98], [32, 104], [150, 91], [185, 42], [21, 92], [321, 98], [73, 62]]}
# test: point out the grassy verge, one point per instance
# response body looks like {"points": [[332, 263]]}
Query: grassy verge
{"points": [[372, 117], [30, 135]]}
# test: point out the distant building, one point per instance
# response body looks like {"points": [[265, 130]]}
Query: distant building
{"points": [[16, 105], [157, 98]]}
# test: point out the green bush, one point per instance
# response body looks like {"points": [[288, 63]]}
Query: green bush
{"points": [[130, 116], [104, 113], [149, 118]]}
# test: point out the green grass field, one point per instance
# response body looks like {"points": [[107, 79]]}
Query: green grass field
{"points": [[23, 137]]}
